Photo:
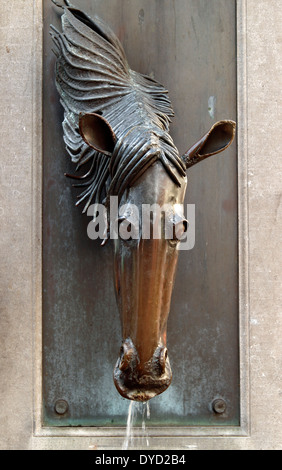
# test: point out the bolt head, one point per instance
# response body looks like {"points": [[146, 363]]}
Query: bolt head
{"points": [[61, 407], [219, 406]]}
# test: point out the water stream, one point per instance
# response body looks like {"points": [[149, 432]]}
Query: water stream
{"points": [[137, 436]]}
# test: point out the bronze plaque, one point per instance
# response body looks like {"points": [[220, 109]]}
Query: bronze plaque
{"points": [[190, 47]]}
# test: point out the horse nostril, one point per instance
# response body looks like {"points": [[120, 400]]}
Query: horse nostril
{"points": [[126, 358], [163, 359], [123, 365]]}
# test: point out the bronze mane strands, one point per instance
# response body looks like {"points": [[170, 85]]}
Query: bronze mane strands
{"points": [[93, 77], [117, 122]]}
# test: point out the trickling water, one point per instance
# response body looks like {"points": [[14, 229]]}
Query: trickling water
{"points": [[129, 427], [148, 410], [146, 407], [136, 436]]}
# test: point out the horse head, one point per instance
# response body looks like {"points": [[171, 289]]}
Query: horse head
{"points": [[117, 121]]}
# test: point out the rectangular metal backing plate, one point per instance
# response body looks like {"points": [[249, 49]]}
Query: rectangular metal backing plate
{"points": [[190, 47]]}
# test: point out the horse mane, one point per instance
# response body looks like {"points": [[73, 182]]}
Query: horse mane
{"points": [[93, 76]]}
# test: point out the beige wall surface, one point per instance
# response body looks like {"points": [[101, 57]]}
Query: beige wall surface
{"points": [[260, 165]]}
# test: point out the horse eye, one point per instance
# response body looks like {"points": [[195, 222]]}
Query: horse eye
{"points": [[179, 229], [186, 225], [121, 219]]}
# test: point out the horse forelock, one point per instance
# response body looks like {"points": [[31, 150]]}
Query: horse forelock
{"points": [[135, 151]]}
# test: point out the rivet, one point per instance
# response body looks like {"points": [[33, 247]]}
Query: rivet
{"points": [[219, 406], [61, 407]]}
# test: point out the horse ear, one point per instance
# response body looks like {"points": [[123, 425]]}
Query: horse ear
{"points": [[97, 133], [218, 139]]}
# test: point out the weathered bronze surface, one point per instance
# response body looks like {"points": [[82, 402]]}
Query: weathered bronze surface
{"points": [[117, 121]]}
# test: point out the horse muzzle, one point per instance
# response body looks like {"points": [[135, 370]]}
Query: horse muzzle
{"points": [[141, 381]]}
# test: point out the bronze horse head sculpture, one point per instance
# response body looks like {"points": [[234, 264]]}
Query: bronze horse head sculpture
{"points": [[117, 121]]}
